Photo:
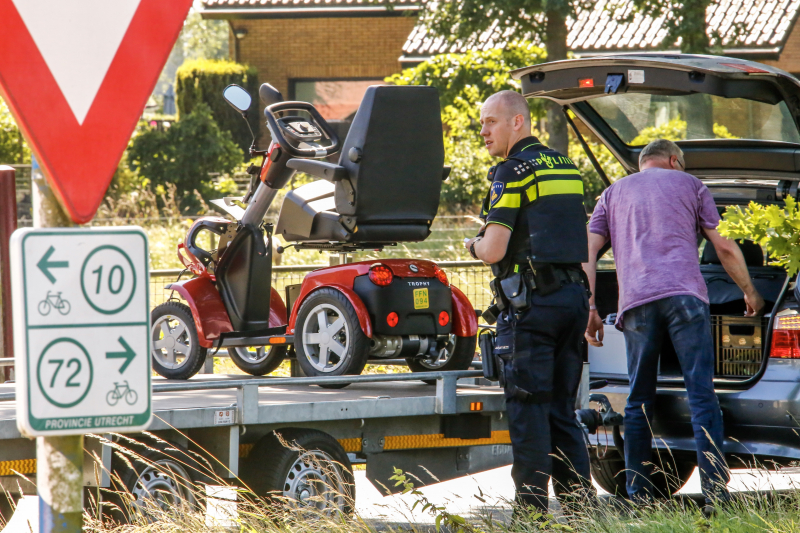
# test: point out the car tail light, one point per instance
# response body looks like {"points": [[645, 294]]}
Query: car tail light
{"points": [[392, 319], [440, 274], [444, 318], [786, 337], [380, 275]]}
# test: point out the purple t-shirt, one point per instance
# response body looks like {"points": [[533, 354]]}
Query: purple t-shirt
{"points": [[653, 219]]}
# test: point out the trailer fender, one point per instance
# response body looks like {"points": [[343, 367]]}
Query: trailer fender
{"points": [[210, 317], [352, 297], [465, 322], [277, 309]]}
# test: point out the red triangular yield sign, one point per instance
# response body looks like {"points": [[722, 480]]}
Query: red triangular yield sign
{"points": [[77, 76]]}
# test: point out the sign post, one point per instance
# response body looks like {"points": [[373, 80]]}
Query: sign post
{"points": [[82, 348], [76, 76]]}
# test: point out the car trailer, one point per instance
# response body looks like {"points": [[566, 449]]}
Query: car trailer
{"points": [[453, 429]]}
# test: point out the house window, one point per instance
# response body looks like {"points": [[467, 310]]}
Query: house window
{"points": [[334, 99]]}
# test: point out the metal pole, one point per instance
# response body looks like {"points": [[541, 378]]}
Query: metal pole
{"points": [[59, 481], [8, 223], [59, 460], [47, 211]]}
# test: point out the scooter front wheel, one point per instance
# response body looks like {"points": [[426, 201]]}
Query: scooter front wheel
{"points": [[329, 340], [258, 361], [177, 353]]}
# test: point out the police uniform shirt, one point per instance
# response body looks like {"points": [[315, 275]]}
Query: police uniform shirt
{"points": [[514, 187]]}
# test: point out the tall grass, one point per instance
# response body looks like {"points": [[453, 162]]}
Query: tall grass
{"points": [[755, 512]]}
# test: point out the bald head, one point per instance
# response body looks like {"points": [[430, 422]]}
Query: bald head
{"points": [[511, 103], [505, 120]]}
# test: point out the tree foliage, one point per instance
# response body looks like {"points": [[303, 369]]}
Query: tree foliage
{"points": [[686, 25], [13, 148], [184, 154], [467, 21], [464, 82], [202, 81], [777, 230]]}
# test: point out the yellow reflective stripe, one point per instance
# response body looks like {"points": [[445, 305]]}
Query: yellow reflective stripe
{"points": [[508, 200], [546, 188], [553, 171], [552, 187], [521, 183]]}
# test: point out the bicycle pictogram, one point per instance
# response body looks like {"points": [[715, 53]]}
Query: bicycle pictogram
{"points": [[54, 300], [121, 390]]}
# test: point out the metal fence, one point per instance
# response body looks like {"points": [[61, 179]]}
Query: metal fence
{"points": [[472, 277]]}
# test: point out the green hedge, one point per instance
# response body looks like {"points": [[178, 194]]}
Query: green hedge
{"points": [[204, 80]]}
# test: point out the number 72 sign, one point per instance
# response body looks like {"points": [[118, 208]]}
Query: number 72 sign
{"points": [[81, 330]]}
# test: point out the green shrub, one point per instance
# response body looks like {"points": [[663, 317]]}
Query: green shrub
{"points": [[203, 80], [464, 82], [777, 230], [13, 149], [185, 154]]}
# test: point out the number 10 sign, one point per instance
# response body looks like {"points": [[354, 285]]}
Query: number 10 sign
{"points": [[81, 330]]}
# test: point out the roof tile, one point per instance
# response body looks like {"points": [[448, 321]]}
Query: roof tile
{"points": [[766, 24]]}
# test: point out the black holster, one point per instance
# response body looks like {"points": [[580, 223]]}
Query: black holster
{"points": [[493, 368]]}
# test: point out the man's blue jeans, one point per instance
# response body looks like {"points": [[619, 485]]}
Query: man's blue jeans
{"points": [[687, 321]]}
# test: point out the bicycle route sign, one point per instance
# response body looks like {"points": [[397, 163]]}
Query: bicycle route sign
{"points": [[81, 330]]}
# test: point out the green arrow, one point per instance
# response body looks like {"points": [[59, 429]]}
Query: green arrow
{"points": [[128, 355], [45, 264]]}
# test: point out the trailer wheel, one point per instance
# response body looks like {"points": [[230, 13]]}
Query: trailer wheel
{"points": [[260, 362], [610, 475], [456, 355], [151, 478], [328, 337], [307, 470], [177, 353]]}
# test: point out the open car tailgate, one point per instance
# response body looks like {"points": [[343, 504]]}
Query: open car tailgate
{"points": [[736, 117]]}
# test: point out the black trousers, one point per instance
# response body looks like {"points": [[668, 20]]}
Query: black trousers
{"points": [[544, 358]]}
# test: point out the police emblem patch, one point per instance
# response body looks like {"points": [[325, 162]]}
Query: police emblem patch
{"points": [[497, 192]]}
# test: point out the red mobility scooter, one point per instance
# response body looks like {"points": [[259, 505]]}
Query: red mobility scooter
{"points": [[384, 190]]}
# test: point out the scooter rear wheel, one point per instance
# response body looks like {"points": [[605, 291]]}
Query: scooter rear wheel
{"points": [[329, 340], [261, 361], [177, 353]]}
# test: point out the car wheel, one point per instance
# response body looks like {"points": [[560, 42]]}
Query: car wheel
{"points": [[177, 353], [309, 472], [260, 361], [610, 475], [152, 478], [328, 336], [457, 354]]}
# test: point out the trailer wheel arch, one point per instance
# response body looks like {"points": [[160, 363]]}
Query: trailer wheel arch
{"points": [[283, 460]]}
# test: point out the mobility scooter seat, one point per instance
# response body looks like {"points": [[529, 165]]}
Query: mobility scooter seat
{"points": [[386, 186]]}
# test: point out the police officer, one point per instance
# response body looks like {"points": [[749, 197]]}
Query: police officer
{"points": [[535, 239]]}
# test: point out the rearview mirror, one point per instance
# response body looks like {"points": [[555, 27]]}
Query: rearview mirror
{"points": [[237, 97]]}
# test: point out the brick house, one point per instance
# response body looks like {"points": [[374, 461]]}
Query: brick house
{"points": [[328, 51], [323, 51]]}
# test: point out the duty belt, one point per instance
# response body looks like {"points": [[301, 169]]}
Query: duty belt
{"points": [[515, 290]]}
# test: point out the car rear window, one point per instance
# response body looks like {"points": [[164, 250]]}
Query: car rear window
{"points": [[640, 118]]}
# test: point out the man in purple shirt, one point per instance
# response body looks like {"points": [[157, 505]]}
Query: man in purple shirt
{"points": [[653, 219]]}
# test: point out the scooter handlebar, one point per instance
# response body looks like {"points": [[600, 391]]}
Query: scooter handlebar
{"points": [[272, 120]]}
